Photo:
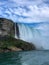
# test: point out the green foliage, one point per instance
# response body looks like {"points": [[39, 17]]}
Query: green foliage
{"points": [[10, 41]]}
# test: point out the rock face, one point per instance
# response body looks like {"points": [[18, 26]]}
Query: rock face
{"points": [[6, 27], [7, 40]]}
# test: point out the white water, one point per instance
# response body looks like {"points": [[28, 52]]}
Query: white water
{"points": [[15, 31], [38, 35]]}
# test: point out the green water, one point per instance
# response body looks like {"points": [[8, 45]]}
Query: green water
{"points": [[25, 58]]}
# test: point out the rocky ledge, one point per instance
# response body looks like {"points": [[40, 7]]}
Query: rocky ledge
{"points": [[8, 43]]}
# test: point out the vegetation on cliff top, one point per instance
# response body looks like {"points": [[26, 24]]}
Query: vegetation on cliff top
{"points": [[7, 42]]}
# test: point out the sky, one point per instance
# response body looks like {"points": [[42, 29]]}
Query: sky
{"points": [[26, 11]]}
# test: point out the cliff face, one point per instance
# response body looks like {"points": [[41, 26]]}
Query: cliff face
{"points": [[7, 40], [6, 27]]}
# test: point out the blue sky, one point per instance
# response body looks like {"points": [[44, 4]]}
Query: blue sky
{"points": [[34, 12], [27, 11]]}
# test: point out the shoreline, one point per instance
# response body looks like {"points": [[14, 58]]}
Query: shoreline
{"points": [[8, 43]]}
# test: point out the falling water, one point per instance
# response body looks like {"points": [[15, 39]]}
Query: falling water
{"points": [[34, 34], [16, 31]]}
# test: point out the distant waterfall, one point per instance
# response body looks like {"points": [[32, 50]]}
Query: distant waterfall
{"points": [[16, 31], [35, 35]]}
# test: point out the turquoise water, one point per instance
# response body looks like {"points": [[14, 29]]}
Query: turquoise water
{"points": [[25, 58]]}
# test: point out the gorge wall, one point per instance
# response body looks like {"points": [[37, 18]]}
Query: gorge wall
{"points": [[6, 27]]}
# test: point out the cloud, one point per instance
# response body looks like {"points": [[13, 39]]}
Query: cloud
{"points": [[29, 11]]}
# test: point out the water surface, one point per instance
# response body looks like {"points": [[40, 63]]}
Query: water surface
{"points": [[25, 58]]}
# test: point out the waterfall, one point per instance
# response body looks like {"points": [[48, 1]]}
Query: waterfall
{"points": [[33, 34], [16, 31]]}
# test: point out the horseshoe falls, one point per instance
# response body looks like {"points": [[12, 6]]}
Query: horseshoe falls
{"points": [[36, 33]]}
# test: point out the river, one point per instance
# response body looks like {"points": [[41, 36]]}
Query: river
{"points": [[25, 58]]}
